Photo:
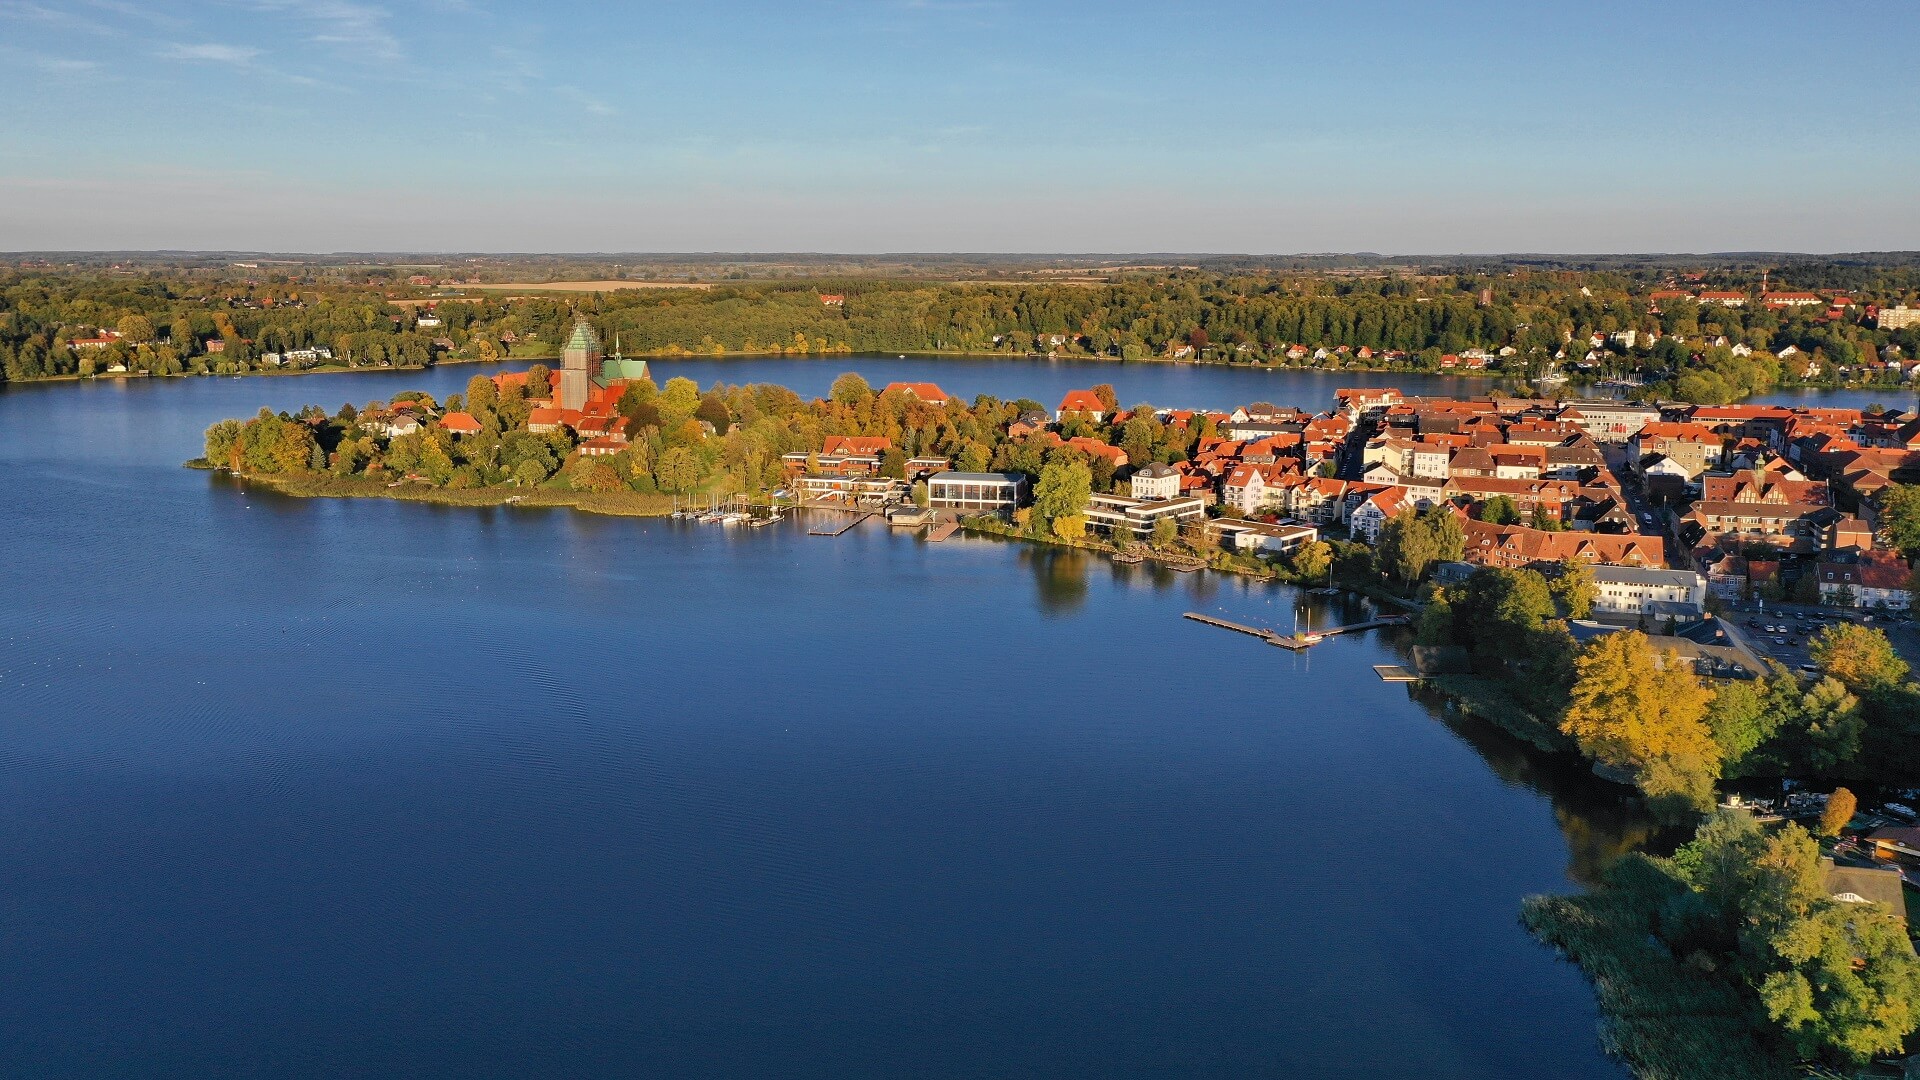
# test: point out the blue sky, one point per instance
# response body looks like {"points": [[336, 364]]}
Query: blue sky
{"points": [[958, 125]]}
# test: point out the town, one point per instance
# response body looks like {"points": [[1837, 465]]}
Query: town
{"points": [[1707, 603]]}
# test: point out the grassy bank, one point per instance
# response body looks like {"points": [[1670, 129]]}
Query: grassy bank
{"points": [[1668, 1018], [1491, 700], [320, 486]]}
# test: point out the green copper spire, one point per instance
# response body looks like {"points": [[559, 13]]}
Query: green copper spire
{"points": [[583, 338]]}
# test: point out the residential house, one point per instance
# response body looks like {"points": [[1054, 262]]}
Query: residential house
{"points": [[1690, 448], [919, 391], [1875, 580], [1367, 519], [1155, 481], [1083, 402], [1516, 546], [460, 423]]}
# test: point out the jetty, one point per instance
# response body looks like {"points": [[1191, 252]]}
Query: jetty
{"points": [[942, 531], [836, 528], [1304, 640]]}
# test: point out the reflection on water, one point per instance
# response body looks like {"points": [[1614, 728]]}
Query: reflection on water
{"points": [[1602, 821], [317, 788]]}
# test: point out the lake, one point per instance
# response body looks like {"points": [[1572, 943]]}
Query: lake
{"points": [[357, 788]]}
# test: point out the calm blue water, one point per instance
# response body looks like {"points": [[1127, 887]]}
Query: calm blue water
{"points": [[337, 789]]}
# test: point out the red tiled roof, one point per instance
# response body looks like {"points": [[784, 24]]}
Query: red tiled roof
{"points": [[864, 445], [925, 391], [1082, 401]]}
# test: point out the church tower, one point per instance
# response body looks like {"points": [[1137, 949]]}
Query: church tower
{"points": [[579, 361]]}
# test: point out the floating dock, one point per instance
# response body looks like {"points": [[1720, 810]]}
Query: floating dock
{"points": [[836, 530], [1298, 642], [1234, 626], [1394, 673], [942, 531]]}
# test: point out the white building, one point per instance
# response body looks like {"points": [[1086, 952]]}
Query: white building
{"points": [[975, 492], [1634, 590], [1258, 537], [1116, 513], [1156, 481]]}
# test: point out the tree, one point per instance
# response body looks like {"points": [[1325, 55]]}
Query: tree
{"points": [[1860, 657], [1070, 526], [1406, 546], [678, 400], [1165, 532], [1500, 510], [1840, 809], [1739, 721], [1449, 536], [850, 389], [678, 470], [221, 440], [714, 411], [1065, 490], [1832, 726], [597, 476], [135, 329], [1311, 561], [1840, 979], [1500, 612], [1900, 517], [1573, 588], [1109, 401], [921, 498], [1639, 713]]}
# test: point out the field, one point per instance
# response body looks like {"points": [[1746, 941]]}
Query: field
{"points": [[588, 286]]}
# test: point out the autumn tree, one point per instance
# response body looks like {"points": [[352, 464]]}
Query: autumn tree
{"points": [[678, 470], [135, 329], [1860, 657], [1840, 809], [1312, 560], [1644, 715]]}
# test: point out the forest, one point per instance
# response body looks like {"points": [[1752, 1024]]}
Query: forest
{"points": [[1528, 322]]}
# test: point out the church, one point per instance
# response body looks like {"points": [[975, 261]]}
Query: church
{"points": [[585, 369], [584, 393]]}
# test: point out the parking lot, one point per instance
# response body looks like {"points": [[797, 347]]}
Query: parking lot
{"points": [[1800, 622]]}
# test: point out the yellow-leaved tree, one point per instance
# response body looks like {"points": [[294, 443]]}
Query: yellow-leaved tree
{"points": [[1644, 715]]}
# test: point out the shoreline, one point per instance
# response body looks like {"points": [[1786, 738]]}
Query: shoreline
{"points": [[958, 354]]}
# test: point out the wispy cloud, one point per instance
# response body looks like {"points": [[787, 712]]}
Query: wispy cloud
{"points": [[27, 11], [211, 52], [61, 65], [586, 101], [360, 29]]}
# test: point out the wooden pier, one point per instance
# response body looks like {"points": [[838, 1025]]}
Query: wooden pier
{"points": [[942, 531], [1301, 641], [1234, 626], [838, 528]]}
